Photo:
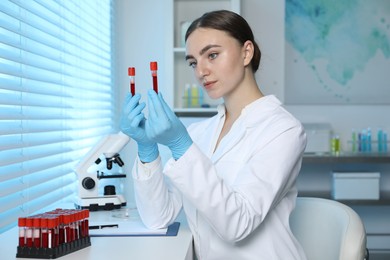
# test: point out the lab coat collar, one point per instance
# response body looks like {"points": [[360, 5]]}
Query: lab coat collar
{"points": [[260, 107], [221, 110], [250, 116]]}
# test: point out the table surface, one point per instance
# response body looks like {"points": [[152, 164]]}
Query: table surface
{"points": [[104, 248]]}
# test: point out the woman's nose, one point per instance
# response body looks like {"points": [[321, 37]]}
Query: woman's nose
{"points": [[202, 70]]}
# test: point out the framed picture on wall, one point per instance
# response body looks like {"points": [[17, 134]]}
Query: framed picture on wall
{"points": [[337, 52]]}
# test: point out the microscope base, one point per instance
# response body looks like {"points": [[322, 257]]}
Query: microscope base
{"points": [[101, 203]]}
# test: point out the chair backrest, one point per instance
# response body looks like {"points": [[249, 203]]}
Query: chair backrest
{"points": [[328, 230]]}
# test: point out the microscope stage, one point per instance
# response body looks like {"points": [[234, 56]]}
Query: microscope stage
{"points": [[101, 203]]}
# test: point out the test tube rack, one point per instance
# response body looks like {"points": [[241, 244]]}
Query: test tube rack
{"points": [[53, 234], [52, 253]]}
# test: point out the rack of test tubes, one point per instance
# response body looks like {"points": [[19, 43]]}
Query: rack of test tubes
{"points": [[53, 234]]}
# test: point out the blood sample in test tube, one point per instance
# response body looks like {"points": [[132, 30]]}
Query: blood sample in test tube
{"points": [[66, 227], [52, 231], [86, 222], [131, 73], [29, 231], [22, 231], [37, 231], [153, 69], [44, 232]]}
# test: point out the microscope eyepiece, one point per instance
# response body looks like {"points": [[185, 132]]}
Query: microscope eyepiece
{"points": [[109, 163], [115, 159], [118, 160]]}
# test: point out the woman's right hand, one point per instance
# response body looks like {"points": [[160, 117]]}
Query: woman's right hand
{"points": [[133, 124]]}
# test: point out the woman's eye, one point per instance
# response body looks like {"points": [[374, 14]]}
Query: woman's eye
{"points": [[192, 64], [213, 55]]}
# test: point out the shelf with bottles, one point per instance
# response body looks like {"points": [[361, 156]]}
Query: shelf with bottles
{"points": [[185, 11], [363, 142], [347, 157], [187, 93]]}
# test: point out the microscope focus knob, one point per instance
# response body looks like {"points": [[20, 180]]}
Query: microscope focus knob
{"points": [[88, 183]]}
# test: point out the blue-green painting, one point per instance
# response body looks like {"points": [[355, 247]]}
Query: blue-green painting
{"points": [[337, 52]]}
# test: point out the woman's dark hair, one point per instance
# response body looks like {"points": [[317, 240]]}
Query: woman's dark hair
{"points": [[232, 23]]}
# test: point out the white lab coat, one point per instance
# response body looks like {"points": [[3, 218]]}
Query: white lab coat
{"points": [[238, 199]]}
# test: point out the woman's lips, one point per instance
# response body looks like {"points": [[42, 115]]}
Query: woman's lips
{"points": [[209, 84]]}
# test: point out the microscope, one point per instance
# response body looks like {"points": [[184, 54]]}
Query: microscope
{"points": [[89, 193]]}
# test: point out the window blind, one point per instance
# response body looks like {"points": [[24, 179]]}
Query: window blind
{"points": [[56, 98]]}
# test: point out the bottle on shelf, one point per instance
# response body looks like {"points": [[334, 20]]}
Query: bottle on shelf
{"points": [[335, 145], [194, 95], [354, 141], [380, 140], [187, 95]]}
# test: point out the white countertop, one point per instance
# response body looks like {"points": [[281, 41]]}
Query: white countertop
{"points": [[117, 248]]}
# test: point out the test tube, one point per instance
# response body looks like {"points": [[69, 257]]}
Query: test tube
{"points": [[62, 229], [52, 229], [44, 232], [22, 231], [36, 231], [86, 222], [77, 224], [80, 228], [153, 69], [131, 73], [66, 227], [29, 231]]}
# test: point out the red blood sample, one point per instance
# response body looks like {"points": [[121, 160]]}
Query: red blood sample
{"points": [[131, 73], [22, 231], [153, 69]]}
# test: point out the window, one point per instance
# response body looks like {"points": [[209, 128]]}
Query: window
{"points": [[56, 98]]}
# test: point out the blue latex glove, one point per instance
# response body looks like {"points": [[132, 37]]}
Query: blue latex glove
{"points": [[165, 128], [133, 125]]}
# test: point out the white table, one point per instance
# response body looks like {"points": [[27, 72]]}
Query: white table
{"points": [[117, 248]]}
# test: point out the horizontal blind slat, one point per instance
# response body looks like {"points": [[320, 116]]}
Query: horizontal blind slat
{"points": [[72, 127], [34, 182], [34, 206], [34, 18]]}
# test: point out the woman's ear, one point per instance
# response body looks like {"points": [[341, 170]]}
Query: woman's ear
{"points": [[248, 50]]}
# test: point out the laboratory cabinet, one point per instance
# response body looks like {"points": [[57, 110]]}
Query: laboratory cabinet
{"points": [[316, 179], [188, 97]]}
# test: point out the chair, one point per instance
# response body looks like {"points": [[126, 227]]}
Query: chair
{"points": [[328, 230]]}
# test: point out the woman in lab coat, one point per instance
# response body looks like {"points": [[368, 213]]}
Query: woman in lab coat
{"points": [[233, 174]]}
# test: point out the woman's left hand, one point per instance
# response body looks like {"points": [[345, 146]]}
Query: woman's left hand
{"points": [[164, 127]]}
